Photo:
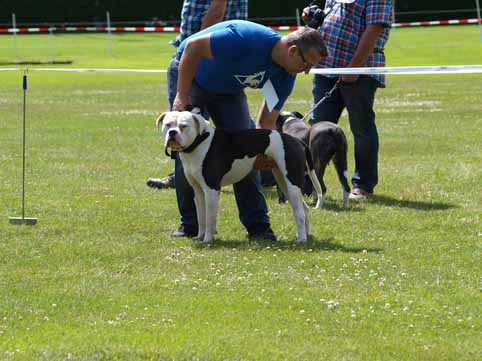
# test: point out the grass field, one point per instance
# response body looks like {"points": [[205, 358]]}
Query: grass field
{"points": [[98, 278]]}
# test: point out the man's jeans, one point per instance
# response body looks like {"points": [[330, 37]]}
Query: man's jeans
{"points": [[172, 72], [357, 98], [230, 112]]}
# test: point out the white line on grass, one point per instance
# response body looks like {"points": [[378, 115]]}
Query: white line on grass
{"points": [[438, 69]]}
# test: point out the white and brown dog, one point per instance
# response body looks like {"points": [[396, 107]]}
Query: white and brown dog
{"points": [[214, 157]]}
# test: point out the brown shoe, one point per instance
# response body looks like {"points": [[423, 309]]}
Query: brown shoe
{"points": [[358, 194]]}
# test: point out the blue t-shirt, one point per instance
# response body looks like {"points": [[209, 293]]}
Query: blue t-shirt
{"points": [[241, 58]]}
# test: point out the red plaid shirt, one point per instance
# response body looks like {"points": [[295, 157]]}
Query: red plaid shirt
{"points": [[344, 26]]}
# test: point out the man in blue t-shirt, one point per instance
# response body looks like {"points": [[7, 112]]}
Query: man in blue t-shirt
{"points": [[195, 16], [215, 66]]}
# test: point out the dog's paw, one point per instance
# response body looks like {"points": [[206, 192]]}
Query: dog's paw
{"points": [[320, 201], [207, 240]]}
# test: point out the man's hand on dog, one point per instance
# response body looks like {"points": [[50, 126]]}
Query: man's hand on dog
{"points": [[263, 162], [181, 102]]}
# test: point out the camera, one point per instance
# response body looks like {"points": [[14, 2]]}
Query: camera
{"points": [[317, 15]]}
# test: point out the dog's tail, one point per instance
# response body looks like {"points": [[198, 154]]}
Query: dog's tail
{"points": [[341, 166], [313, 177]]}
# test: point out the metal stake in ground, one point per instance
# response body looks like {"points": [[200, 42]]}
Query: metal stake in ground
{"points": [[23, 219]]}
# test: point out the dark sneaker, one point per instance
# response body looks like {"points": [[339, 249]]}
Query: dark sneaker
{"points": [[358, 194], [185, 230], [261, 232], [161, 183]]}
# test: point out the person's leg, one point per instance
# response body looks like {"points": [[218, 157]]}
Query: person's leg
{"points": [[185, 202], [359, 98], [267, 179], [232, 112], [330, 109], [172, 73]]}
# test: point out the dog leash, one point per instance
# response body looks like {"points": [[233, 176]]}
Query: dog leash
{"points": [[328, 94]]}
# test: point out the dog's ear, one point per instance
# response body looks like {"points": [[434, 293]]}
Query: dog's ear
{"points": [[298, 115], [159, 120], [196, 110], [281, 120], [193, 109], [200, 122]]}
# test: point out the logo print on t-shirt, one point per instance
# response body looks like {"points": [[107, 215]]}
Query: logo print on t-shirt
{"points": [[252, 80]]}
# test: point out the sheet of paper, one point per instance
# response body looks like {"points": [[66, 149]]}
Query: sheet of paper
{"points": [[270, 95]]}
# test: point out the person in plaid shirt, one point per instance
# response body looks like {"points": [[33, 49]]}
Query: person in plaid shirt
{"points": [[195, 16], [199, 14], [355, 33]]}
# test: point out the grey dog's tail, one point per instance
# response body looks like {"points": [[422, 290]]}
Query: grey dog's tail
{"points": [[340, 162], [313, 177]]}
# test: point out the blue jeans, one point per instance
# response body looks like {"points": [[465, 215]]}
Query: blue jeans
{"points": [[358, 99], [227, 111], [172, 72]]}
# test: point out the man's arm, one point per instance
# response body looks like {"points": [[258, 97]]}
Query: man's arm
{"points": [[365, 48], [215, 13], [195, 50], [267, 119]]}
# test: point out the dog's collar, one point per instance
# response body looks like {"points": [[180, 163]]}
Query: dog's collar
{"points": [[198, 140]]}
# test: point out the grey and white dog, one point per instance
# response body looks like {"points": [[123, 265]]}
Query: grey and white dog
{"points": [[326, 142], [214, 157]]}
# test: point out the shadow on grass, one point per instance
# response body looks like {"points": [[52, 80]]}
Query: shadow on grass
{"points": [[312, 245], [406, 203], [335, 205]]}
